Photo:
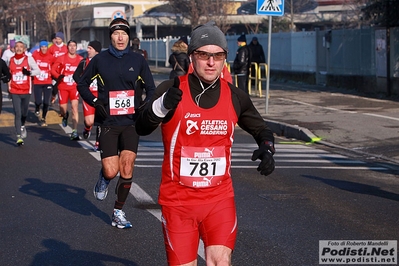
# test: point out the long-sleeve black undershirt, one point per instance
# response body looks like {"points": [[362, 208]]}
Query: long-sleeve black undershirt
{"points": [[249, 118]]}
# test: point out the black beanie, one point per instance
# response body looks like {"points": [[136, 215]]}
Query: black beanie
{"points": [[242, 38], [119, 24], [207, 34], [96, 45]]}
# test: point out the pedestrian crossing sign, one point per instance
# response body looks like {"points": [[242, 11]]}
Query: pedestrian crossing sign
{"points": [[270, 7]]}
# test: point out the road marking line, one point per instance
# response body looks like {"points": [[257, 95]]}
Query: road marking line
{"points": [[142, 197], [382, 116], [322, 107]]}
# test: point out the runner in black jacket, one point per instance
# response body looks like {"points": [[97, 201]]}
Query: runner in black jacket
{"points": [[5, 77], [121, 74]]}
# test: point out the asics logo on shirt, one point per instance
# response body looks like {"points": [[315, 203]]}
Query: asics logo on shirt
{"points": [[191, 115]]}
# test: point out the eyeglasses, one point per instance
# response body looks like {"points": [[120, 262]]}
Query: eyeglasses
{"points": [[205, 55]]}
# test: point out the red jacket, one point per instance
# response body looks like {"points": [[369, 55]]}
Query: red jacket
{"points": [[66, 66], [44, 62], [56, 51]]}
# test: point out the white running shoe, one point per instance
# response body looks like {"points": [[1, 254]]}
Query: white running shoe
{"points": [[101, 188], [119, 220], [24, 134]]}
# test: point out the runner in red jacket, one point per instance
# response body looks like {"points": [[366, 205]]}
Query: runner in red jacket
{"points": [[63, 69], [57, 49]]}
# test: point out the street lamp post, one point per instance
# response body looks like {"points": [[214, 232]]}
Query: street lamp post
{"points": [[388, 46]]}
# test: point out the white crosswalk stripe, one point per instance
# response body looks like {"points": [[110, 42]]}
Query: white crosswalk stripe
{"points": [[290, 156], [287, 156]]}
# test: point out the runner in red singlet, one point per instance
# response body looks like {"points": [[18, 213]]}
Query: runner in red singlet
{"points": [[198, 113], [63, 69]]}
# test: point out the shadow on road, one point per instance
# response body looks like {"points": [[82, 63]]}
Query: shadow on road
{"points": [[69, 197], [357, 187], [8, 139], [59, 253]]}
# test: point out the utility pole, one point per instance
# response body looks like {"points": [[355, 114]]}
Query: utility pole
{"points": [[388, 46], [292, 16]]}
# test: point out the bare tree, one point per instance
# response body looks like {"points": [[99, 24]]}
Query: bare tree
{"points": [[351, 14], [200, 12], [13, 12], [293, 7], [49, 10], [57, 15], [43, 16], [280, 24], [382, 13], [66, 15]]}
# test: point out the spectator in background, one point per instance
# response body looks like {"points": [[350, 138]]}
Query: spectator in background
{"points": [[42, 83], [136, 47], [257, 54], [241, 63], [179, 60]]}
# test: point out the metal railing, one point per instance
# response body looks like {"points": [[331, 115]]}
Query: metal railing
{"points": [[258, 74]]}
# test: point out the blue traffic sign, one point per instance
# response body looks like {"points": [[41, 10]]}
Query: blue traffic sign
{"points": [[270, 7]]}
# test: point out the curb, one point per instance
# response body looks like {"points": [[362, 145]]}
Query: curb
{"points": [[292, 131], [304, 134]]}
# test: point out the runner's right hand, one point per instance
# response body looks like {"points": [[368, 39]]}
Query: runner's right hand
{"points": [[100, 108], [172, 96]]}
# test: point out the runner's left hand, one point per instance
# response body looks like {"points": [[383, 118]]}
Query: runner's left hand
{"points": [[265, 154], [26, 72]]}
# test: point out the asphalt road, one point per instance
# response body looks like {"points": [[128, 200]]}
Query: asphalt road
{"points": [[49, 215]]}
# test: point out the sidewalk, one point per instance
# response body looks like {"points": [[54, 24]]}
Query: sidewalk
{"points": [[332, 117], [336, 118]]}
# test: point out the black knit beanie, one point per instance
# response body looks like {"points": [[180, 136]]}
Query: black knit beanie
{"points": [[96, 45]]}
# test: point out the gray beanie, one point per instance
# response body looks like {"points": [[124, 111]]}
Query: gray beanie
{"points": [[207, 34]]}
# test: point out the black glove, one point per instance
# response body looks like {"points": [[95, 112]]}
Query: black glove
{"points": [[26, 72], [100, 108], [60, 77], [265, 154], [172, 96]]}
